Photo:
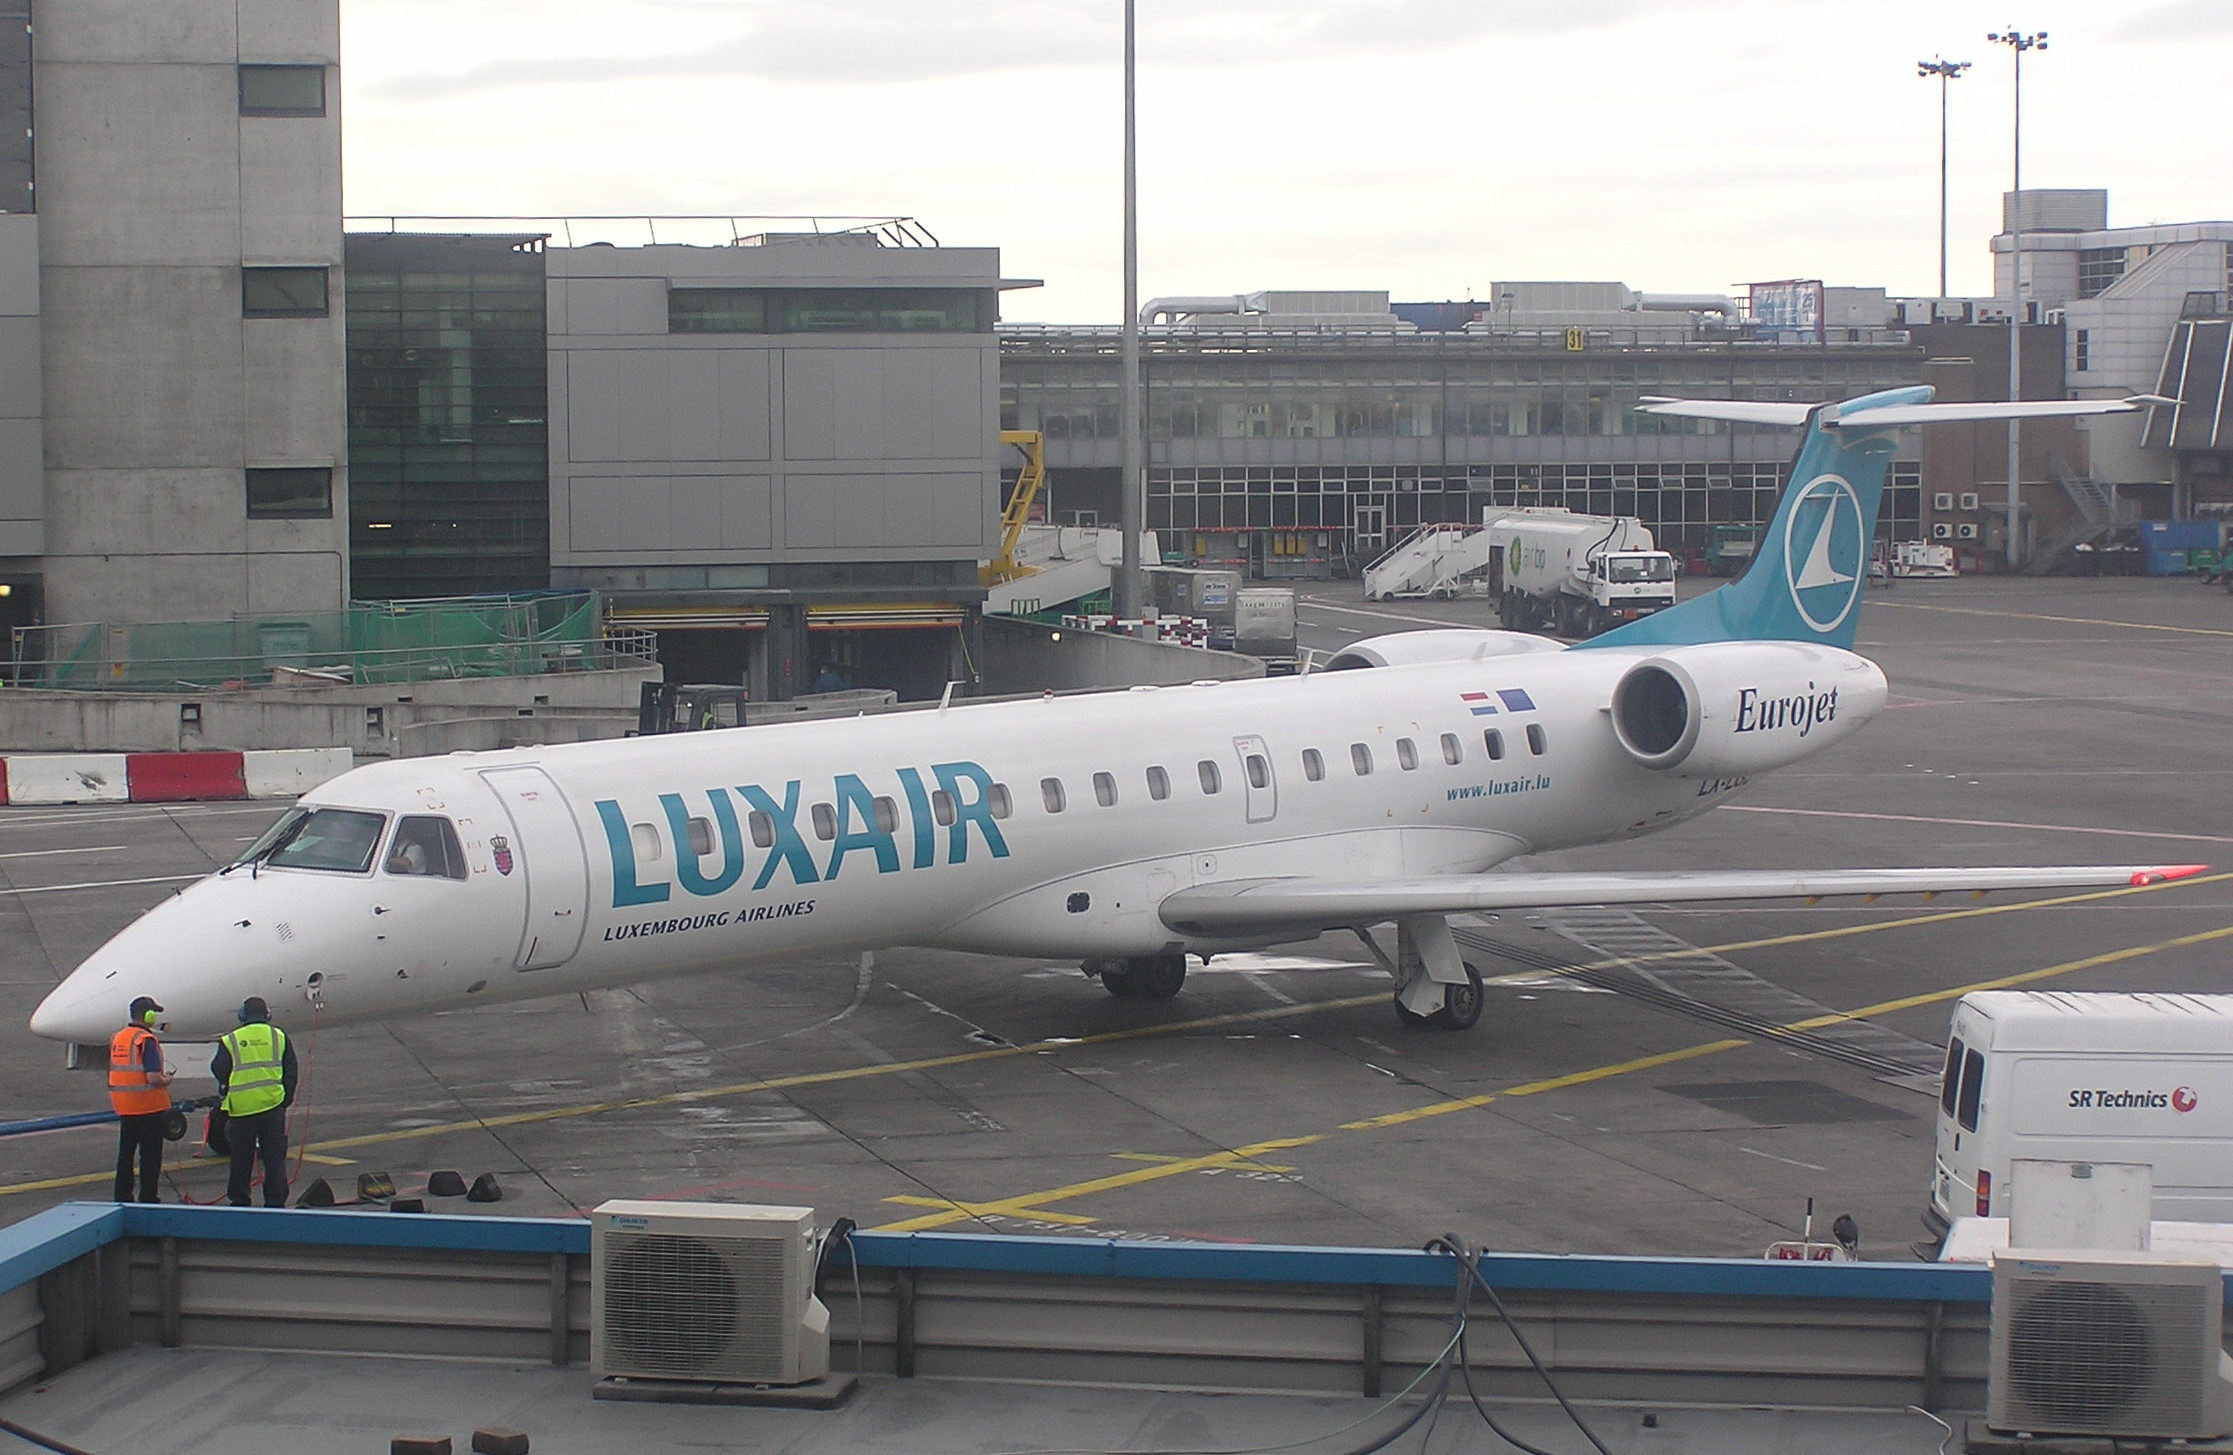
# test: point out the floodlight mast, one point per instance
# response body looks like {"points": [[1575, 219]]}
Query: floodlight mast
{"points": [[1946, 71], [1130, 483], [2017, 42]]}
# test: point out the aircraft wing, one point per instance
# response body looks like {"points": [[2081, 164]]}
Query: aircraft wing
{"points": [[1900, 414], [1736, 411], [1253, 906]]}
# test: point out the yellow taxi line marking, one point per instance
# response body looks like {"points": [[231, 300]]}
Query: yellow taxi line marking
{"points": [[1167, 1157], [2138, 626], [88, 1179], [1032, 1204], [1029, 1204], [980, 1209]]}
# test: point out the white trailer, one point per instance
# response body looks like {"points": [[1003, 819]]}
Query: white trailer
{"points": [[2086, 1077], [1577, 575]]}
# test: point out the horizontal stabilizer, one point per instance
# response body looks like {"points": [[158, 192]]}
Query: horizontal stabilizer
{"points": [[1904, 414], [1736, 411], [1251, 906]]}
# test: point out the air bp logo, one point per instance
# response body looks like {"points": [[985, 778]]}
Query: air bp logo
{"points": [[501, 847], [1823, 547]]}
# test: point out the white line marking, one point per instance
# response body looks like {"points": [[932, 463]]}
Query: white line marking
{"points": [[1982, 823], [1786, 1161], [105, 884], [47, 853]]}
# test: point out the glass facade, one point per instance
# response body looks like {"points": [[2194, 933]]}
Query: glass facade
{"points": [[1361, 437], [449, 470], [828, 310]]}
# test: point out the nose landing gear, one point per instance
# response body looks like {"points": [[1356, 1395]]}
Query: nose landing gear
{"points": [[1146, 977]]}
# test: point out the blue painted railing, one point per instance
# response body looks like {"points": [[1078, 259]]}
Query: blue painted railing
{"points": [[52, 1238]]}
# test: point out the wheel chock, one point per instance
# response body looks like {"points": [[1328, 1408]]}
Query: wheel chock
{"points": [[377, 1186], [496, 1440], [318, 1194], [444, 1184], [484, 1189]]}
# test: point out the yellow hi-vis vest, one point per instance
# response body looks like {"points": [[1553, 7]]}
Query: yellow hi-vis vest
{"points": [[258, 1082]]}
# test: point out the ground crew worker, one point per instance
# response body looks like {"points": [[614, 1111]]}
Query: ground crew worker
{"points": [[256, 1075], [137, 1083]]}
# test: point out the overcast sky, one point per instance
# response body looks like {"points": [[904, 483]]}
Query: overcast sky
{"points": [[1429, 147]]}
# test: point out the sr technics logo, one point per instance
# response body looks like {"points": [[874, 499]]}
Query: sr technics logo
{"points": [[1823, 546], [2184, 1099]]}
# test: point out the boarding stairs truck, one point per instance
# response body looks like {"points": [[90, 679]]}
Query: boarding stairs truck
{"points": [[2086, 1077], [1438, 561], [1576, 575]]}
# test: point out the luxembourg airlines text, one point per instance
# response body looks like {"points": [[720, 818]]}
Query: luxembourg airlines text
{"points": [[1805, 711]]}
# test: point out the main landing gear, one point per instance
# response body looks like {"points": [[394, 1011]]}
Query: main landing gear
{"points": [[1146, 977], [1433, 986]]}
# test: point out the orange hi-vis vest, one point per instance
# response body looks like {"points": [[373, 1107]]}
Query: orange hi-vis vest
{"points": [[128, 1088]]}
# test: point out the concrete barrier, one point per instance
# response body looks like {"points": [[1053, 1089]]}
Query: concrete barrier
{"points": [[27, 778]]}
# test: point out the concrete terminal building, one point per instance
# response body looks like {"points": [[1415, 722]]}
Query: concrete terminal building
{"points": [[171, 425]]}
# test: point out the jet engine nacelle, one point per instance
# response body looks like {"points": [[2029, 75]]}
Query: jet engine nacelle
{"points": [[1449, 644], [1726, 710]]}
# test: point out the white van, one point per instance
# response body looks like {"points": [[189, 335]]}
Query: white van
{"points": [[2086, 1077]]}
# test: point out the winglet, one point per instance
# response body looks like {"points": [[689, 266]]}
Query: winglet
{"points": [[2167, 873]]}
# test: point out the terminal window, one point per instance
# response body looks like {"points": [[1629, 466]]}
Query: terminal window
{"points": [[828, 310], [290, 494], [282, 90], [283, 292]]}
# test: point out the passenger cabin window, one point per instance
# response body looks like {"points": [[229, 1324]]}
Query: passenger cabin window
{"points": [[1104, 789], [339, 840], [1259, 771], [699, 831], [997, 796], [1953, 1078], [1453, 751], [1212, 780], [1973, 1091], [1050, 793], [941, 809], [762, 827], [427, 845], [1360, 758], [1314, 765], [1493, 740], [887, 816], [1159, 784], [1535, 741], [825, 821], [1407, 755]]}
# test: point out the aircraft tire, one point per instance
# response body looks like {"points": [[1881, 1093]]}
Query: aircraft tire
{"points": [[1406, 1014], [1159, 977], [1461, 1004], [1117, 979]]}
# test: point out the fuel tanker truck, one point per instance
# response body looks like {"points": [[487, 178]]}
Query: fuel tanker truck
{"points": [[1575, 575]]}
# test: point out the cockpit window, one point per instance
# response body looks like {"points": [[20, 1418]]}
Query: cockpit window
{"points": [[425, 845], [340, 839]]}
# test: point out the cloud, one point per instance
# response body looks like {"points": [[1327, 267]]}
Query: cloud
{"points": [[2178, 21], [882, 41]]}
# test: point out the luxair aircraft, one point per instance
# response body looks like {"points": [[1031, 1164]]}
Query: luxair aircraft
{"points": [[1123, 830]]}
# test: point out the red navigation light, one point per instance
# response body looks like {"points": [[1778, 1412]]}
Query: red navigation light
{"points": [[2167, 873]]}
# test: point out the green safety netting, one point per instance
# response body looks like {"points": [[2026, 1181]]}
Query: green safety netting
{"points": [[395, 641]]}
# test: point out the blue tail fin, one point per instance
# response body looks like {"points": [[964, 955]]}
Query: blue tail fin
{"points": [[1811, 566]]}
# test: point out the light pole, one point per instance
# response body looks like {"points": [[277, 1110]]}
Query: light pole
{"points": [[2017, 42], [1127, 602], [1946, 71]]}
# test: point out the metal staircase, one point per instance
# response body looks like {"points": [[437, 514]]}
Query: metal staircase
{"points": [[2097, 513], [1433, 560]]}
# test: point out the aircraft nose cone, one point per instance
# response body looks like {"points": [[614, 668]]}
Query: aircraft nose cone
{"points": [[67, 1015]]}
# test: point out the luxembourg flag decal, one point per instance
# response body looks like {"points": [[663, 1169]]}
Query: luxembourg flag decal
{"points": [[1513, 698]]}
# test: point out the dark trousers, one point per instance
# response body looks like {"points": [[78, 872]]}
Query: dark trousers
{"points": [[265, 1133], [141, 1137]]}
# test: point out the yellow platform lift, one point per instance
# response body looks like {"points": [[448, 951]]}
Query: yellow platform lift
{"points": [[1004, 567]]}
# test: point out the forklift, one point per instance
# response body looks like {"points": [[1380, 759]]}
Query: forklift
{"points": [[675, 707]]}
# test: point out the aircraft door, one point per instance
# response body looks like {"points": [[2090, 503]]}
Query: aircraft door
{"points": [[1260, 790], [547, 852]]}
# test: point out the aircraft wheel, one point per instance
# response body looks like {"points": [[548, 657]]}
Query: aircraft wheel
{"points": [[1117, 979], [1461, 1004], [1405, 1014], [1159, 977]]}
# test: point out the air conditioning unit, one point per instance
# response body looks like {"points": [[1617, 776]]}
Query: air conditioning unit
{"points": [[1965, 530], [707, 1292], [2113, 1345], [1969, 500], [1941, 531], [1942, 500]]}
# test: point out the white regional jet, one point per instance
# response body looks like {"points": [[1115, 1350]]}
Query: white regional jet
{"points": [[1125, 830]]}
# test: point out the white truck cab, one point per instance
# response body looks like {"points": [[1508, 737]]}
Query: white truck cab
{"points": [[2086, 1077]]}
